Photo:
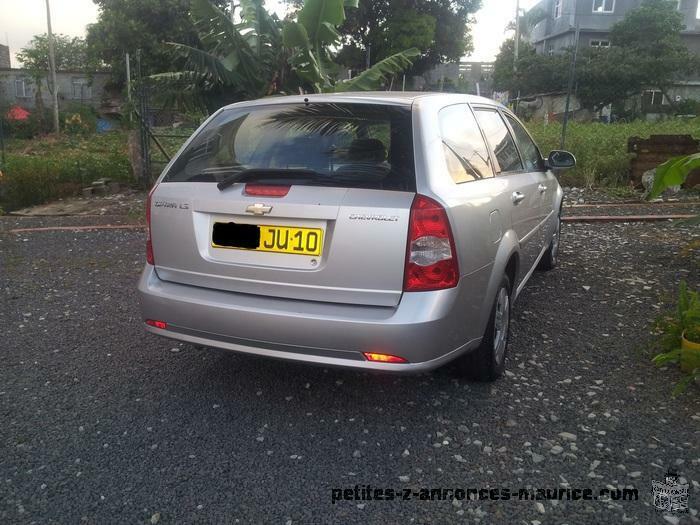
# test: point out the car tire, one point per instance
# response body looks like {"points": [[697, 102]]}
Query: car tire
{"points": [[551, 257], [487, 362]]}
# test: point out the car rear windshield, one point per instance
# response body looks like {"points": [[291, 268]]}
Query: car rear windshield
{"points": [[346, 145]]}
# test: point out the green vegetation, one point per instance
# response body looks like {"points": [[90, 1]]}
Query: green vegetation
{"points": [[671, 329], [647, 50], [43, 169], [263, 55], [601, 149]]}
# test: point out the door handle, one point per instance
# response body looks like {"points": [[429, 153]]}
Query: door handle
{"points": [[542, 188], [518, 197]]}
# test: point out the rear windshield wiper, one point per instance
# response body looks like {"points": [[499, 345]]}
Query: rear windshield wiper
{"points": [[294, 175]]}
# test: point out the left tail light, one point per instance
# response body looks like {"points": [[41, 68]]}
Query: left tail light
{"points": [[149, 241]]}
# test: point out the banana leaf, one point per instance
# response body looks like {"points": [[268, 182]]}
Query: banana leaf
{"points": [[374, 76]]}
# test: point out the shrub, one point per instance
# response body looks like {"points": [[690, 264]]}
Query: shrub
{"points": [[601, 149], [43, 169]]}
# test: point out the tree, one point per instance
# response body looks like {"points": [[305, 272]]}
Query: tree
{"points": [[647, 51], [128, 25], [534, 74], [368, 29], [247, 60], [230, 62], [71, 54], [651, 37]]}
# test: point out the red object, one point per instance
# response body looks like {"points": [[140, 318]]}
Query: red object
{"points": [[383, 358], [431, 258], [149, 243], [17, 113], [158, 324], [266, 190]]}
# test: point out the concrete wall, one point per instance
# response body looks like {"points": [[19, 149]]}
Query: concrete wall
{"points": [[17, 88]]}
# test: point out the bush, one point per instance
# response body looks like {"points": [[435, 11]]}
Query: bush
{"points": [[601, 149], [36, 124], [44, 169]]}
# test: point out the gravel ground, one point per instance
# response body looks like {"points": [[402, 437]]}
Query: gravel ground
{"points": [[103, 423], [687, 208]]}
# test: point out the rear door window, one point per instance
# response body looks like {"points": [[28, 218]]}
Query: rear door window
{"points": [[463, 145], [345, 145], [500, 140], [528, 149]]}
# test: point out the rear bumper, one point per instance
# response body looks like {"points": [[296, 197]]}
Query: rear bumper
{"points": [[427, 329]]}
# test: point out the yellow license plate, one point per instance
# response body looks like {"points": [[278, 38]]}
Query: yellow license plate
{"points": [[277, 239]]}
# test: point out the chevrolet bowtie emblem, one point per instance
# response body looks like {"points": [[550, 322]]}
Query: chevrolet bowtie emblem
{"points": [[258, 209]]}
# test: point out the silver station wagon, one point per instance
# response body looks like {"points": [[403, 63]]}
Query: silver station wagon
{"points": [[383, 231]]}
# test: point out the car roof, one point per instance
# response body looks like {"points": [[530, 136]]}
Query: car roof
{"points": [[396, 98]]}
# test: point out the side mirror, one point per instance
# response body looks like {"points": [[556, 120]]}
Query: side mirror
{"points": [[560, 160]]}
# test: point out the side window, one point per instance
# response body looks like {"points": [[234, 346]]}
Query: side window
{"points": [[500, 140], [528, 149], [463, 146]]}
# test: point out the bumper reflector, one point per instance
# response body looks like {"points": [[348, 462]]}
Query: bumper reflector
{"points": [[383, 358], [158, 324]]}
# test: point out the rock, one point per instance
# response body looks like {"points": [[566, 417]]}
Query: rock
{"points": [[404, 479], [155, 518], [635, 474], [556, 450], [567, 436], [356, 454], [673, 520], [540, 507], [537, 458]]}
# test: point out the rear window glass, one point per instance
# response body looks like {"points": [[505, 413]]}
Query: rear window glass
{"points": [[346, 145]]}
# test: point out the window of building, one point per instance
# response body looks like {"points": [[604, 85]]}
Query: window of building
{"points": [[652, 97], [603, 6], [557, 8], [81, 90], [500, 140], [464, 148], [21, 90], [528, 149], [600, 43]]}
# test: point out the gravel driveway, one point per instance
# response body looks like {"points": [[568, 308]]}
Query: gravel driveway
{"points": [[103, 423]]}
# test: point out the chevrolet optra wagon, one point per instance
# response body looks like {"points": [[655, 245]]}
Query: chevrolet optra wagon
{"points": [[384, 231]]}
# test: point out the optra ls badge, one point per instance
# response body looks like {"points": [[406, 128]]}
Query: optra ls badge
{"points": [[171, 204]]}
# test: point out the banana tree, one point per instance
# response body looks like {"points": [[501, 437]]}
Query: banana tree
{"points": [[311, 39], [674, 172], [263, 56], [236, 61]]}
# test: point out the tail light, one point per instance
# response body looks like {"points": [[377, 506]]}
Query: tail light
{"points": [[149, 244], [383, 358], [266, 190], [431, 259], [157, 324]]}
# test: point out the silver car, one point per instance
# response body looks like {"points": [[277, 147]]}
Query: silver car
{"points": [[384, 231]]}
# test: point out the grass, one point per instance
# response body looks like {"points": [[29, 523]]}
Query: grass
{"points": [[601, 149], [47, 168]]}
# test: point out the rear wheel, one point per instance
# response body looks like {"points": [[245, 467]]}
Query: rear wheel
{"points": [[487, 362], [551, 257]]}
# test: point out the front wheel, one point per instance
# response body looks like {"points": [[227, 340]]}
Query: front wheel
{"points": [[487, 362], [551, 257]]}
